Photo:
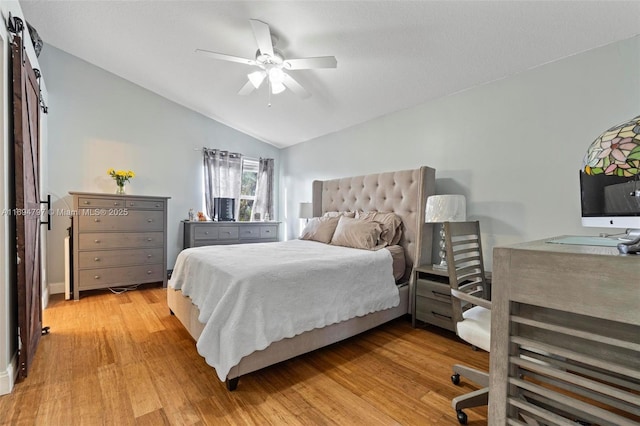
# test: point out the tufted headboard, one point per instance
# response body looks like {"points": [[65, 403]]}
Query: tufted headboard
{"points": [[403, 193]]}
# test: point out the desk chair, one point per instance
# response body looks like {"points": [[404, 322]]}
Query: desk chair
{"points": [[471, 311]]}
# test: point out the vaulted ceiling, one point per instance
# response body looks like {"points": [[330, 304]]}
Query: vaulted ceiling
{"points": [[391, 55]]}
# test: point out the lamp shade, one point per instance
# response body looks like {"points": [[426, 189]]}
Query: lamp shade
{"points": [[616, 152], [306, 211], [446, 208]]}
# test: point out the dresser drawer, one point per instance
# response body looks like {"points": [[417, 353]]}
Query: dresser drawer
{"points": [[94, 241], [126, 275], [102, 203], [250, 233], [132, 221], [268, 231], [145, 204], [107, 258], [228, 233], [434, 290], [205, 233]]}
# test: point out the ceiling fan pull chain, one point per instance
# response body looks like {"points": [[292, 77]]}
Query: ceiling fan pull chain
{"points": [[269, 92]]}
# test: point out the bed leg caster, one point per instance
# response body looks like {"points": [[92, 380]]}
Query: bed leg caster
{"points": [[232, 384]]}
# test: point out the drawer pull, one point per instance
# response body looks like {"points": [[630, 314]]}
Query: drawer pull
{"points": [[96, 220], [435, 314], [86, 203], [148, 272], [116, 203], [437, 293], [96, 241], [149, 256], [267, 232], [96, 277], [96, 259], [157, 205], [206, 232], [149, 220], [132, 203], [149, 239], [225, 232]]}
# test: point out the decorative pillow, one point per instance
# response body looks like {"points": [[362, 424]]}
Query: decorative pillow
{"points": [[390, 222], [320, 229], [338, 214], [355, 233]]}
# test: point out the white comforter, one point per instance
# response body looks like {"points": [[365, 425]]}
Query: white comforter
{"points": [[251, 295]]}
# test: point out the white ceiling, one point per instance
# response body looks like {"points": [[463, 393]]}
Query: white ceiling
{"points": [[391, 54]]}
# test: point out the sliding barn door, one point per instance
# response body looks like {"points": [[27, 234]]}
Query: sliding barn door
{"points": [[26, 130]]}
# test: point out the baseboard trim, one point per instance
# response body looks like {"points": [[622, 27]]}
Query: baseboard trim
{"points": [[8, 377], [56, 288]]}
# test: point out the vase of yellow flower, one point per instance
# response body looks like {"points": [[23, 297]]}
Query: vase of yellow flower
{"points": [[121, 177]]}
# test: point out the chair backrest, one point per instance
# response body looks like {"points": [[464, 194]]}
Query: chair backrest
{"points": [[465, 265]]}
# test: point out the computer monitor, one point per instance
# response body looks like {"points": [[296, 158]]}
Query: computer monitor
{"points": [[610, 201]]}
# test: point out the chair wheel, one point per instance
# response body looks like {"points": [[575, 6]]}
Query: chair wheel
{"points": [[455, 379], [462, 417]]}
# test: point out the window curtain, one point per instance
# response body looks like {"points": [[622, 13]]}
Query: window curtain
{"points": [[264, 190], [222, 178]]}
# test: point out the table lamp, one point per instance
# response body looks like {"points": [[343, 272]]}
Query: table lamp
{"points": [[445, 208], [305, 211]]}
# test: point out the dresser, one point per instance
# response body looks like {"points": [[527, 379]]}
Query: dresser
{"points": [[198, 234], [118, 240], [565, 335]]}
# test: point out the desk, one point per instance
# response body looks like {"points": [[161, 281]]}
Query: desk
{"points": [[577, 310]]}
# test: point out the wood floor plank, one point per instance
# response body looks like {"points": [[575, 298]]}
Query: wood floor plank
{"points": [[122, 359]]}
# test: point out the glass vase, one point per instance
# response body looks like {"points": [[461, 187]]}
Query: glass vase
{"points": [[120, 189]]}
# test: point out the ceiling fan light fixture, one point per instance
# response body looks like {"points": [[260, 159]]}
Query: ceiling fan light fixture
{"points": [[276, 75], [277, 87], [256, 78]]}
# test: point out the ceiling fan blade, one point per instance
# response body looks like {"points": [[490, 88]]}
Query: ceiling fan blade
{"points": [[309, 63], [246, 89], [224, 57], [263, 36], [295, 87]]}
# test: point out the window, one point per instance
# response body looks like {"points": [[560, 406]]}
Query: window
{"points": [[248, 189]]}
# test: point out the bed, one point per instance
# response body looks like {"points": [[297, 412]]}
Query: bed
{"points": [[403, 193]]}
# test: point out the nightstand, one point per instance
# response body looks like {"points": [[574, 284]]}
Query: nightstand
{"points": [[432, 297]]}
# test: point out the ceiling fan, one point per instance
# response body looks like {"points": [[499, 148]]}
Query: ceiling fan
{"points": [[272, 64]]}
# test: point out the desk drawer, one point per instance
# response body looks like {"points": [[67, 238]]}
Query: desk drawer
{"points": [[434, 290], [96, 241], [127, 275], [107, 258]]}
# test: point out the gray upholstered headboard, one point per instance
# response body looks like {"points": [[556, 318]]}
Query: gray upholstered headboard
{"points": [[403, 193]]}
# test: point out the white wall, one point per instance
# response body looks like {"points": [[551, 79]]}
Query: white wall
{"points": [[98, 120], [512, 147]]}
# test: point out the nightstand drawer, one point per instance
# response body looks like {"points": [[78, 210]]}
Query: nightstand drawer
{"points": [[434, 312], [434, 290]]}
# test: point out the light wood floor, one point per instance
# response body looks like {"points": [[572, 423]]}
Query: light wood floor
{"points": [[123, 360]]}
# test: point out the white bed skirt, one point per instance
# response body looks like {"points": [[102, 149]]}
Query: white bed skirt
{"points": [[288, 348]]}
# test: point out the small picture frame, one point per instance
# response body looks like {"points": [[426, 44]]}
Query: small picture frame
{"points": [[256, 217]]}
